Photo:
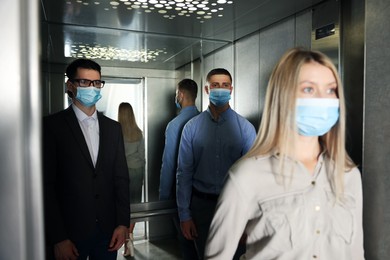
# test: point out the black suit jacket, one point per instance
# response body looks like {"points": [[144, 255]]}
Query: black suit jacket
{"points": [[77, 194]]}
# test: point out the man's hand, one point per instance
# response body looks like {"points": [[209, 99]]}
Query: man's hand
{"points": [[189, 230], [65, 250], [118, 238]]}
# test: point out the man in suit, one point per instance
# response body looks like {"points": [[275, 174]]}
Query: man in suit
{"points": [[86, 184]]}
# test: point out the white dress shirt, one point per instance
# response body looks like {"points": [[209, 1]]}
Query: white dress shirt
{"points": [[287, 218], [90, 128]]}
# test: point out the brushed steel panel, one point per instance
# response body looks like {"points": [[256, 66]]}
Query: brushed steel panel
{"points": [[274, 41], [161, 108], [303, 27], [247, 94], [21, 204], [376, 148]]}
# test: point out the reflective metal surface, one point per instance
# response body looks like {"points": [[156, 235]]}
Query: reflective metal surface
{"points": [[326, 29], [178, 40], [21, 205]]}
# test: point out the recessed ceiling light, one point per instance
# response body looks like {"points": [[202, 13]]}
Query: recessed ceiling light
{"points": [[173, 8], [111, 53]]}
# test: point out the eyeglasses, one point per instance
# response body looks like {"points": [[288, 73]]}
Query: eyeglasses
{"points": [[84, 83]]}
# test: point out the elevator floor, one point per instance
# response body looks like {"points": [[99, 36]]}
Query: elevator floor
{"points": [[163, 249], [166, 249]]}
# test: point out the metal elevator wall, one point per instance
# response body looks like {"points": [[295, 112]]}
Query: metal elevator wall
{"points": [[365, 55], [21, 217], [376, 147]]}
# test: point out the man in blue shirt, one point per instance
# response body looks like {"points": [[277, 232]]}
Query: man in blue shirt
{"points": [[186, 94], [210, 144]]}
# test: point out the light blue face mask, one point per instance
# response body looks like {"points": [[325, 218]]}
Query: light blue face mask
{"points": [[88, 96], [177, 102], [219, 96], [316, 116]]}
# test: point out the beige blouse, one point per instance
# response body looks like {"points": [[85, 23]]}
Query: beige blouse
{"points": [[135, 153], [287, 218]]}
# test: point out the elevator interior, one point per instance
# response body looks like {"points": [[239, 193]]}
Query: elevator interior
{"points": [[154, 44]]}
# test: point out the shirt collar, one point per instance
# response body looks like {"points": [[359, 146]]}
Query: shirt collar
{"points": [[224, 115], [276, 154], [184, 109], [81, 116]]}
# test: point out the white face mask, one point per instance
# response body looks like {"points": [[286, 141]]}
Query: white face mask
{"points": [[316, 116]]}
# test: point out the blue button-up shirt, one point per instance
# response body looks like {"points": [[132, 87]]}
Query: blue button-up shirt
{"points": [[169, 159], [208, 148]]}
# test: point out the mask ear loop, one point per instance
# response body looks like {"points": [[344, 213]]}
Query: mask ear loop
{"points": [[178, 97], [68, 91]]}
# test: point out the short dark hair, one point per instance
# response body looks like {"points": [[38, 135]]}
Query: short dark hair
{"points": [[189, 86], [71, 70], [218, 71]]}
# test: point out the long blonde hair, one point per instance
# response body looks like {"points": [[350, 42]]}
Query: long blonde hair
{"points": [[278, 125], [130, 129]]}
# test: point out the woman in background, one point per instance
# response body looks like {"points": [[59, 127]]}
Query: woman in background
{"points": [[135, 156], [296, 193]]}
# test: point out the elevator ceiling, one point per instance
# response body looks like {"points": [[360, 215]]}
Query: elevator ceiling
{"points": [[154, 34]]}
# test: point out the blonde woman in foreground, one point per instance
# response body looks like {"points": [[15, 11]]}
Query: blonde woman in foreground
{"points": [[296, 193]]}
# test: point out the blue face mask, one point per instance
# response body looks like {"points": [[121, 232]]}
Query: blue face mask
{"points": [[177, 103], [88, 96], [219, 96], [316, 116]]}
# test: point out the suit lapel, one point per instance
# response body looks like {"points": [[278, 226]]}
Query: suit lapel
{"points": [[102, 131], [75, 128]]}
